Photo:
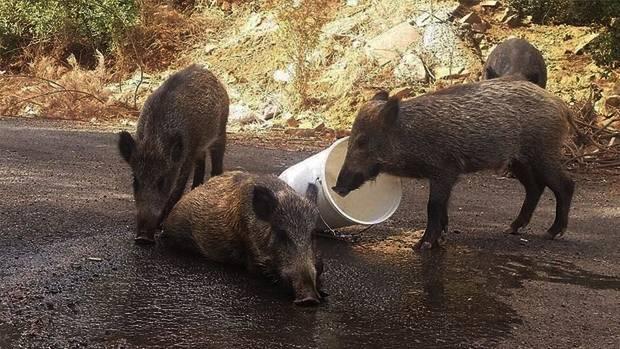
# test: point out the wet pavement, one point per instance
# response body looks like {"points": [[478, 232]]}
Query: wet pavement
{"points": [[72, 277]]}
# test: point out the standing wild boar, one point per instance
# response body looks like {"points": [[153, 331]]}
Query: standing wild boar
{"points": [[464, 128], [516, 58], [256, 221], [182, 120]]}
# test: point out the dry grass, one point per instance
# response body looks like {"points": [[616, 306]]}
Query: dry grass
{"points": [[299, 33], [60, 92], [162, 35], [323, 41], [597, 143], [55, 86]]}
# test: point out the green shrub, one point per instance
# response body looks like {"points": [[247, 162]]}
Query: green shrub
{"points": [[576, 12], [98, 24], [606, 48]]}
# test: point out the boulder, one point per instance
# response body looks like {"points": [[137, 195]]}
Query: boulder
{"points": [[481, 27], [240, 114], [585, 42], [471, 18], [389, 45], [613, 101], [512, 21], [490, 3], [410, 69]]}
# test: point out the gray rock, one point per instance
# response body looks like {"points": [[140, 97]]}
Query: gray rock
{"points": [[389, 45], [613, 101], [585, 42], [240, 114], [471, 18], [490, 3], [444, 45], [410, 69], [513, 21]]}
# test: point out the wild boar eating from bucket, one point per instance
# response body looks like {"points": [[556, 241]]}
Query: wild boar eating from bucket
{"points": [[461, 129]]}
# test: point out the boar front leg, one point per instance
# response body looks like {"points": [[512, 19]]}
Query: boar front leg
{"points": [[199, 169], [179, 188], [437, 210], [216, 151]]}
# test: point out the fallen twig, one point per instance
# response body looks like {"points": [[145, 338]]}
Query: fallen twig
{"points": [[33, 77], [61, 91]]}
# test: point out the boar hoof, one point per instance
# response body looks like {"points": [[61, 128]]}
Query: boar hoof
{"points": [[552, 233], [307, 302], [512, 231], [144, 240], [442, 240], [423, 245]]}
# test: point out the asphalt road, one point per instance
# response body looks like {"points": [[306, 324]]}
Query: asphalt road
{"points": [[71, 277]]}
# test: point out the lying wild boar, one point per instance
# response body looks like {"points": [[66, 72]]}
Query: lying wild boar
{"points": [[516, 58], [464, 128], [255, 221], [182, 120]]}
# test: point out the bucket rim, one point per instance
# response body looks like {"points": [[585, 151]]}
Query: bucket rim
{"points": [[328, 196]]}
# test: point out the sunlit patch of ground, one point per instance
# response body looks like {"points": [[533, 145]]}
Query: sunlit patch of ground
{"points": [[397, 244]]}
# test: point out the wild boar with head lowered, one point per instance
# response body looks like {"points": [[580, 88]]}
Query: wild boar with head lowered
{"points": [[180, 122], [460, 129], [255, 221], [518, 59]]}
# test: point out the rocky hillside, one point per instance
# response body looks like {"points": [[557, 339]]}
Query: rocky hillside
{"points": [[309, 64]]}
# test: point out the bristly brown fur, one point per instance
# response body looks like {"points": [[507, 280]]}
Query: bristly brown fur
{"points": [[465, 128], [181, 121], [223, 220]]}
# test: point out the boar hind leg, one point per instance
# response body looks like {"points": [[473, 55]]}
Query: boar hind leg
{"points": [[216, 151], [437, 210], [199, 169], [563, 187], [533, 190]]}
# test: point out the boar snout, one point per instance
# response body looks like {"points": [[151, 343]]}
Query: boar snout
{"points": [[341, 191], [308, 297], [347, 182], [147, 226], [304, 284]]}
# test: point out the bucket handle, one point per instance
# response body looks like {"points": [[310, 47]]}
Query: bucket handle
{"points": [[336, 234]]}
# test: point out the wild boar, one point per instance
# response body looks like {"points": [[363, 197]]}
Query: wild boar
{"points": [[180, 121], [255, 221], [461, 129], [516, 58]]}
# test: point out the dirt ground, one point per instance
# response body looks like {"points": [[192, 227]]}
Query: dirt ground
{"points": [[71, 276]]}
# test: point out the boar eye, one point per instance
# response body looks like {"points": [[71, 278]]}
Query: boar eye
{"points": [[280, 232], [282, 236], [361, 142]]}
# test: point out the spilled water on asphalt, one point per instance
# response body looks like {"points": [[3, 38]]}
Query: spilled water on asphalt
{"points": [[446, 298]]}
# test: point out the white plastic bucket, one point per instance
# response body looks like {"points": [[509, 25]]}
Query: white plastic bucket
{"points": [[372, 203]]}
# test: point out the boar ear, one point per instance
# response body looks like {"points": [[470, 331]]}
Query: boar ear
{"points": [[176, 151], [126, 145], [389, 112], [382, 95], [264, 202], [312, 193]]}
